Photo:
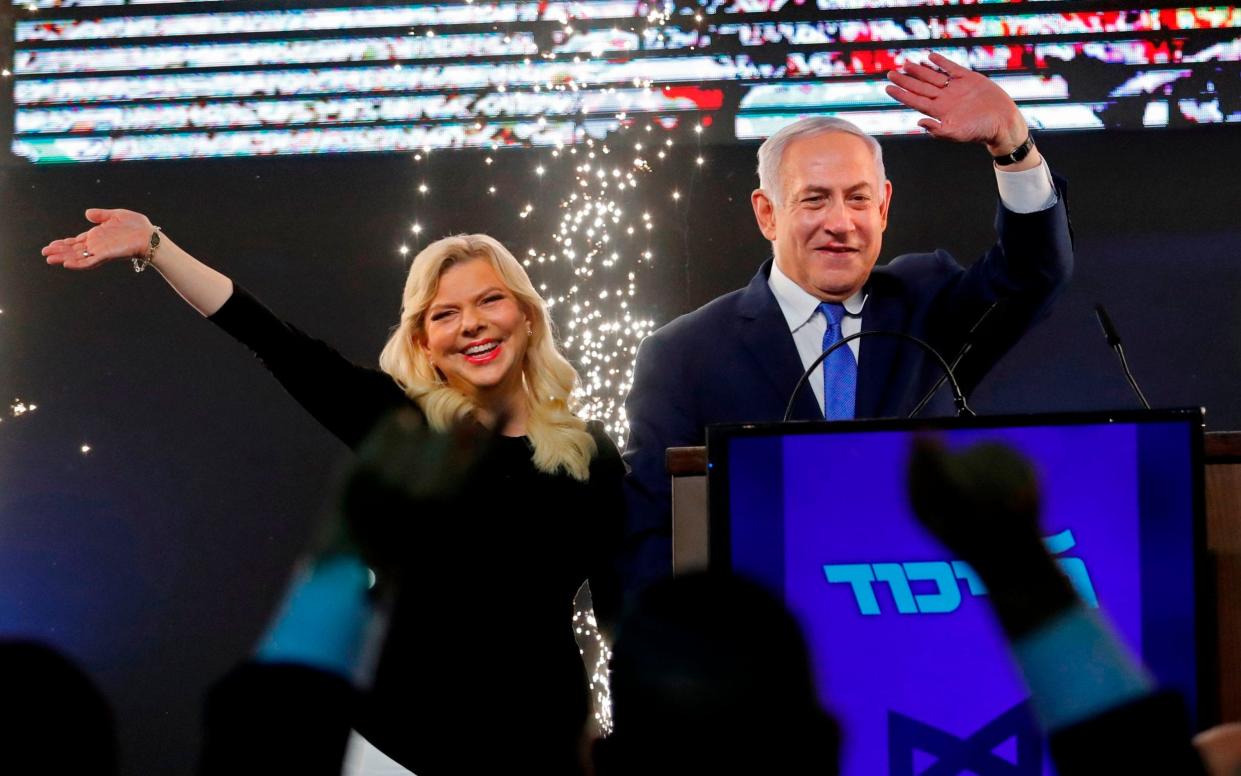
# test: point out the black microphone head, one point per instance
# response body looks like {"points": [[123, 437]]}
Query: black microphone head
{"points": [[1109, 331]]}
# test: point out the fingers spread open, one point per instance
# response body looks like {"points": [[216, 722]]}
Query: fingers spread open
{"points": [[925, 73], [950, 67], [911, 84], [908, 98]]}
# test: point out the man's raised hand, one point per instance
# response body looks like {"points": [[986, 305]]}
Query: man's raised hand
{"points": [[117, 234], [962, 105]]}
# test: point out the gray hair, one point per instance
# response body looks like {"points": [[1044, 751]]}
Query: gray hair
{"points": [[771, 152]]}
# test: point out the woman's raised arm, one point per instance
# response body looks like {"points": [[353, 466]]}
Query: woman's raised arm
{"points": [[124, 234]]}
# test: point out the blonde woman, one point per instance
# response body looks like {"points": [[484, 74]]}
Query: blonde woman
{"points": [[480, 672]]}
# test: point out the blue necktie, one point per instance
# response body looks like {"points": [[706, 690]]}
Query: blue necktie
{"points": [[839, 369]]}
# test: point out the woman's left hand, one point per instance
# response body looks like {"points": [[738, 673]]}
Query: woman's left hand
{"points": [[118, 234]]}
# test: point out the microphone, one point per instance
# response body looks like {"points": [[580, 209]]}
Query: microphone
{"points": [[965, 349], [1113, 342], [958, 398], [1109, 329]]}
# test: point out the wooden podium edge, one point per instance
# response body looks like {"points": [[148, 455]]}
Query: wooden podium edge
{"points": [[1220, 447], [1223, 446]]}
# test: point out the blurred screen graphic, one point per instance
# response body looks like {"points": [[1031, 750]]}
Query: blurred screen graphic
{"points": [[96, 80]]}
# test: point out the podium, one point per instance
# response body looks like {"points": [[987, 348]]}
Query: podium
{"points": [[687, 467]]}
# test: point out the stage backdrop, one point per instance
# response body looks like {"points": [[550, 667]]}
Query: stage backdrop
{"points": [[156, 485]]}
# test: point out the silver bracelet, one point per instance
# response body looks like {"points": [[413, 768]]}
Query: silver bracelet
{"points": [[142, 262]]}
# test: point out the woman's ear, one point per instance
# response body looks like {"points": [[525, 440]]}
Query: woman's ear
{"points": [[421, 345]]}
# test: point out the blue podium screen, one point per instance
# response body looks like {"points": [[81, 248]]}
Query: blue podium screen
{"points": [[906, 650]]}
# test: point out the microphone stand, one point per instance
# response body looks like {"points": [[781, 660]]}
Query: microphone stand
{"points": [[961, 354], [958, 398], [1113, 341]]}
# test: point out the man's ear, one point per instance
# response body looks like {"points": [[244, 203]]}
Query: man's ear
{"points": [[887, 203], [764, 213]]}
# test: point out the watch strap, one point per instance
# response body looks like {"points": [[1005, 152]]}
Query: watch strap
{"points": [[1017, 154]]}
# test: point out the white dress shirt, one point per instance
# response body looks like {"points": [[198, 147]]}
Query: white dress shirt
{"points": [[1028, 191]]}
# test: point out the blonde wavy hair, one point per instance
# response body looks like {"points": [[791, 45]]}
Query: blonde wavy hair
{"points": [[560, 439]]}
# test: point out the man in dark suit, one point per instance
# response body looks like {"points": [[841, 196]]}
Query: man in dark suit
{"points": [[823, 202]]}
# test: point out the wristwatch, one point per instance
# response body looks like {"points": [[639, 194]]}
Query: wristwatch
{"points": [[1017, 154]]}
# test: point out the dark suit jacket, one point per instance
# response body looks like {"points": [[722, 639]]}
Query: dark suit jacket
{"points": [[734, 360]]}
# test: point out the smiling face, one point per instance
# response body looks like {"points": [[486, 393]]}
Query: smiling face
{"points": [[827, 228], [475, 331]]}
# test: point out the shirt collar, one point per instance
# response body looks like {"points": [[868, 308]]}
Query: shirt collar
{"points": [[798, 305]]}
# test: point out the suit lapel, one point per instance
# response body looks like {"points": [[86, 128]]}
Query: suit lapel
{"points": [[764, 332]]}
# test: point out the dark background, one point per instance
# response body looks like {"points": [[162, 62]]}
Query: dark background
{"points": [[156, 558]]}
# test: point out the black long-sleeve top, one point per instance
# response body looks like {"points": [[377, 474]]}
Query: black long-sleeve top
{"points": [[480, 672]]}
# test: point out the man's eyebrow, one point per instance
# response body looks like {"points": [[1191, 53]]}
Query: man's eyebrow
{"points": [[811, 189], [814, 188]]}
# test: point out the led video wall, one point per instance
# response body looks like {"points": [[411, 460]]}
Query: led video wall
{"points": [[96, 80]]}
